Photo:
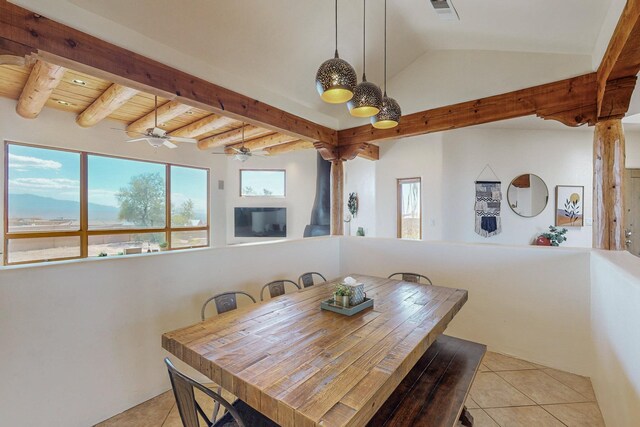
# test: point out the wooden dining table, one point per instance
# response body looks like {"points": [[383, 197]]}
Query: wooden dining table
{"points": [[303, 366]]}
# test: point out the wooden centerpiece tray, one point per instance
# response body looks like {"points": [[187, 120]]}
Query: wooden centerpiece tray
{"points": [[347, 311]]}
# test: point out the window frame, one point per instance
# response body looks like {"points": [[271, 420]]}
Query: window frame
{"points": [[284, 172], [400, 182], [84, 232]]}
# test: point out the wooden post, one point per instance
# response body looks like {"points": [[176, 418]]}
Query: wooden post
{"points": [[337, 200], [608, 178]]}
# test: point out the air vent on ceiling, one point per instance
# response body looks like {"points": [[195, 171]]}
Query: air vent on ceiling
{"points": [[445, 10]]}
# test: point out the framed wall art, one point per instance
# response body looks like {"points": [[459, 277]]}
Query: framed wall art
{"points": [[570, 206]]}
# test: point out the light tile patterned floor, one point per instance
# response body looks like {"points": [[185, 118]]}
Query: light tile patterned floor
{"points": [[507, 392]]}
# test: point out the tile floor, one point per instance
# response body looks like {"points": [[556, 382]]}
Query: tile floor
{"points": [[507, 392]]}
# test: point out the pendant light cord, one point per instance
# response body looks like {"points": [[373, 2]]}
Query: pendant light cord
{"points": [[364, 40], [336, 21], [385, 48]]}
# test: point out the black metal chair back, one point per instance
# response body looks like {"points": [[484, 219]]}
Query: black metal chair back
{"points": [[183, 390], [225, 301], [276, 288], [306, 279], [412, 277]]}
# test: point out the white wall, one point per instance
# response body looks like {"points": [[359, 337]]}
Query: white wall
{"points": [[450, 162], [300, 191], [615, 317], [88, 332], [54, 128], [358, 179], [559, 157], [529, 302]]}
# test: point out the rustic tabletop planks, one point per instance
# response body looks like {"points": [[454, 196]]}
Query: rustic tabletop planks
{"points": [[302, 366]]}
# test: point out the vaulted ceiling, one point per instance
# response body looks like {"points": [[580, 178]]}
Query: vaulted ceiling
{"points": [[271, 49]]}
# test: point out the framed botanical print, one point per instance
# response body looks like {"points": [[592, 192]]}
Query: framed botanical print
{"points": [[570, 206]]}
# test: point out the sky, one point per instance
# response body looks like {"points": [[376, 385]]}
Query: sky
{"points": [[56, 174]]}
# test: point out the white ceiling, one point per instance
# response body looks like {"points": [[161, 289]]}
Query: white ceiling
{"points": [[277, 45]]}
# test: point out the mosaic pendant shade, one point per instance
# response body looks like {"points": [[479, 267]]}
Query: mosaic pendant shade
{"points": [[389, 115], [366, 101], [336, 80]]}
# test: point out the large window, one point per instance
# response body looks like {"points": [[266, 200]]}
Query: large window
{"points": [[262, 183], [409, 209], [64, 204]]}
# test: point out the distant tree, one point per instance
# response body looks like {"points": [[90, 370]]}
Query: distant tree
{"points": [[184, 216], [249, 191], [142, 202], [267, 192]]}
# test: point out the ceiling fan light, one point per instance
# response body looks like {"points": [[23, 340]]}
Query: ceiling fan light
{"points": [[389, 115], [155, 141], [366, 101], [242, 157], [335, 80]]}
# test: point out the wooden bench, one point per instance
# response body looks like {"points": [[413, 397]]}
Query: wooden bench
{"points": [[434, 391]]}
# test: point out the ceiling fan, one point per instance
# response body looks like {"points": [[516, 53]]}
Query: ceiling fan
{"points": [[243, 154], [157, 137]]}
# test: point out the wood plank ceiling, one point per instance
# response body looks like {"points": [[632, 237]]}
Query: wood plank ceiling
{"points": [[92, 99]]}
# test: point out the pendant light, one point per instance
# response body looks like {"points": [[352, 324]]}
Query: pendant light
{"points": [[367, 98], [390, 113], [336, 79]]}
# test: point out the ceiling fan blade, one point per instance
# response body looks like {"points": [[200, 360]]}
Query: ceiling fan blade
{"points": [[224, 154], [260, 153], [169, 144], [136, 140], [181, 139], [235, 149]]}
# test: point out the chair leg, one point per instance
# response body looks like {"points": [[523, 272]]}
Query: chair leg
{"points": [[466, 419]]}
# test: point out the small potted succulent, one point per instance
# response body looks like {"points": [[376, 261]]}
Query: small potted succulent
{"points": [[341, 295], [163, 246], [102, 254]]}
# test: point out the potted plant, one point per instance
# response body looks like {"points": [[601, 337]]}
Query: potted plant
{"points": [[163, 246], [554, 237], [102, 254], [341, 295]]}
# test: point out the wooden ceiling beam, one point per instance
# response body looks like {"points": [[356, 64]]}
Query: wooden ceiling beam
{"points": [[262, 142], [289, 147], [43, 80], [621, 61], [111, 99], [166, 112], [12, 60], [22, 30], [570, 101], [205, 125], [233, 137]]}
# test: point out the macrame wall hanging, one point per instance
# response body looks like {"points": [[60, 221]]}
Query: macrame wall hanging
{"points": [[487, 207]]}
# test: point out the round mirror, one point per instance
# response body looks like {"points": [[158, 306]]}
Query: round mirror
{"points": [[528, 195]]}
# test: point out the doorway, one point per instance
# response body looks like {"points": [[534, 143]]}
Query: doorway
{"points": [[409, 209], [632, 204]]}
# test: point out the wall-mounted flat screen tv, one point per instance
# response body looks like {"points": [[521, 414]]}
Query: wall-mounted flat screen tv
{"points": [[260, 222]]}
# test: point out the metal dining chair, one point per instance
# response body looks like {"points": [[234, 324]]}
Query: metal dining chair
{"points": [[412, 277], [276, 288], [238, 413], [306, 279], [225, 301]]}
